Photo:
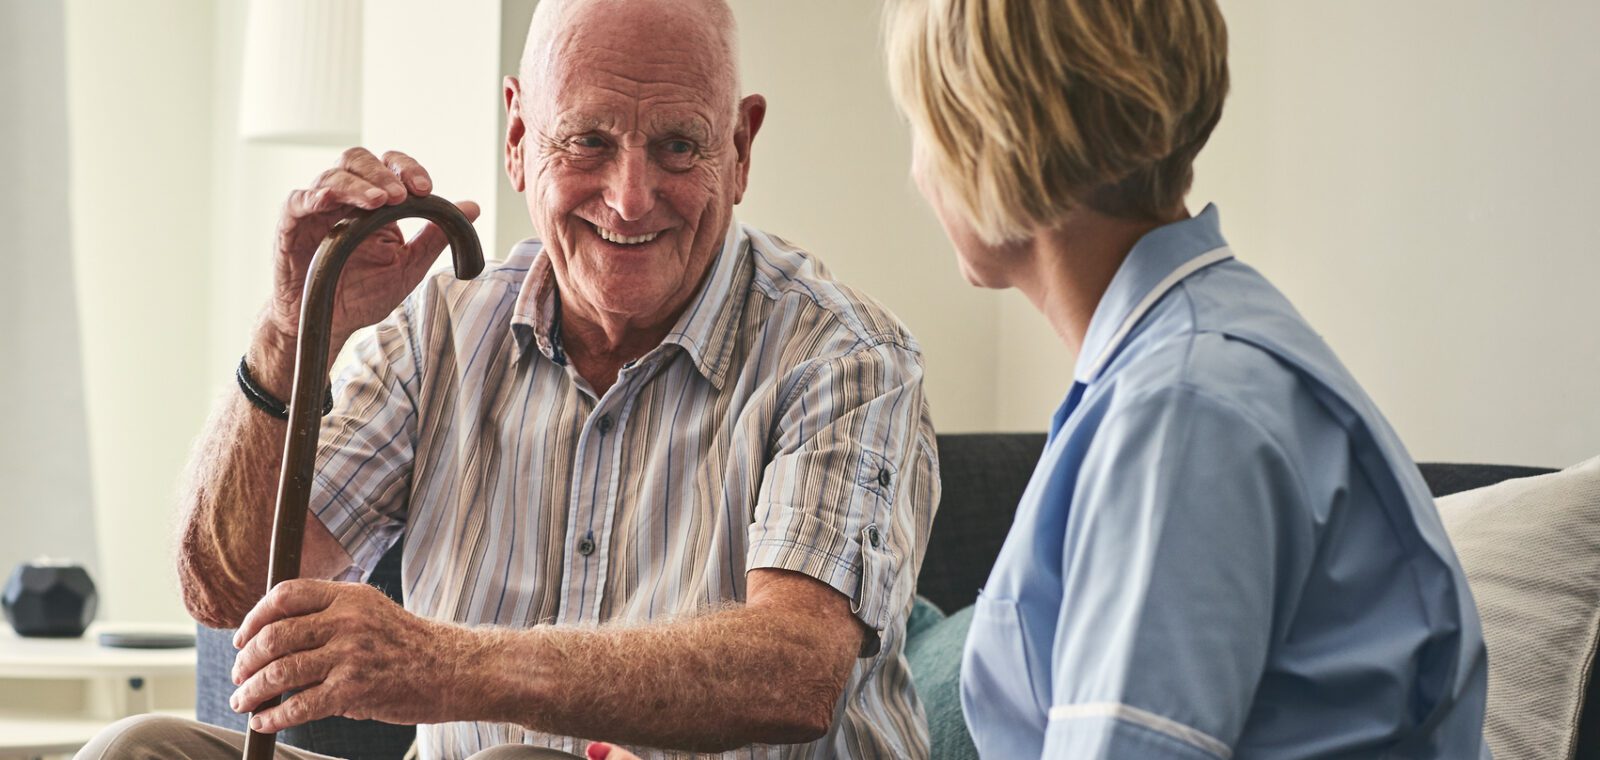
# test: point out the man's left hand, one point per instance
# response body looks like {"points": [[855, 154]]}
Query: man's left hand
{"points": [[351, 652]]}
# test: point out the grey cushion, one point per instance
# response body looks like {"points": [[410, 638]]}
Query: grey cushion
{"points": [[1531, 551]]}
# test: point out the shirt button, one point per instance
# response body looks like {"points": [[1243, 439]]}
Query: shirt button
{"points": [[586, 546], [872, 535], [605, 424], [884, 478]]}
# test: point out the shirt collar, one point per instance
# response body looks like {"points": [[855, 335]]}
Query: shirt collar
{"points": [[705, 330], [536, 316], [1158, 262]]}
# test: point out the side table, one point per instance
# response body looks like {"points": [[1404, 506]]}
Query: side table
{"points": [[123, 680]]}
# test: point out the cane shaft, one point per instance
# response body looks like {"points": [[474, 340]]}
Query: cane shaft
{"points": [[311, 378]]}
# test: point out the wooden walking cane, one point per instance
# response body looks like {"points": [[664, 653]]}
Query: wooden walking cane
{"points": [[311, 377]]}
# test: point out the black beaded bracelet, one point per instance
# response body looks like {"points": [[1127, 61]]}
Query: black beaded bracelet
{"points": [[264, 400]]}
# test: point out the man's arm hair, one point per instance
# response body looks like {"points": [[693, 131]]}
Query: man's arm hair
{"points": [[770, 671], [228, 499]]}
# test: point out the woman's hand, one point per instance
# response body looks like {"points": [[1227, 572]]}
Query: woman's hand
{"points": [[603, 751]]}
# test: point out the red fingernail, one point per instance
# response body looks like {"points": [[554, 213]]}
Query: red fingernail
{"points": [[599, 750]]}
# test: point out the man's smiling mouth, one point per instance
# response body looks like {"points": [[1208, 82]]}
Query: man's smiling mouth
{"points": [[614, 237]]}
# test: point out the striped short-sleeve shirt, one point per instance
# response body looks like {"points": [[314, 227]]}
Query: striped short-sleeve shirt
{"points": [[780, 424]]}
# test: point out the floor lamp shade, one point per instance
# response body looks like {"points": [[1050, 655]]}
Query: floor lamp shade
{"points": [[302, 72]]}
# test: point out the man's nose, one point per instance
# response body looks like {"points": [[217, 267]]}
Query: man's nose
{"points": [[631, 184]]}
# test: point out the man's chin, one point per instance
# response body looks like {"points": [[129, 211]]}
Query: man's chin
{"points": [[619, 293]]}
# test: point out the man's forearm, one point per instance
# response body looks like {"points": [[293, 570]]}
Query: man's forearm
{"points": [[229, 495], [735, 677]]}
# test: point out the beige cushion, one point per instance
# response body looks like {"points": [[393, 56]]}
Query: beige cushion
{"points": [[1531, 551]]}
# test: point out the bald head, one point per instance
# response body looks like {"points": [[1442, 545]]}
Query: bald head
{"points": [[706, 27]]}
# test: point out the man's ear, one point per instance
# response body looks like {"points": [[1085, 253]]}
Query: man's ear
{"points": [[752, 111], [516, 129]]}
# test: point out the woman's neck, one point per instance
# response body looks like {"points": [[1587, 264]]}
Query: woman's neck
{"points": [[1070, 266]]}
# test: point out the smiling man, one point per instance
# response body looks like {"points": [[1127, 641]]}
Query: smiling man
{"points": [[660, 479]]}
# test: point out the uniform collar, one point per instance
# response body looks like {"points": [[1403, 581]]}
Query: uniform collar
{"points": [[1161, 259], [705, 331]]}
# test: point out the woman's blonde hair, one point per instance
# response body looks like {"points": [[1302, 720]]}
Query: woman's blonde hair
{"points": [[1027, 108]]}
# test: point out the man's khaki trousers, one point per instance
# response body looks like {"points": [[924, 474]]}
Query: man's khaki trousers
{"points": [[161, 737]]}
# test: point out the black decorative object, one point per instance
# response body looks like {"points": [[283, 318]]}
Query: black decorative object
{"points": [[47, 598]]}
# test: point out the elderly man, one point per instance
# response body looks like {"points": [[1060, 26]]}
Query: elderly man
{"points": [[661, 480]]}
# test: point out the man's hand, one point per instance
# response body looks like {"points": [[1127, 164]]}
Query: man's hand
{"points": [[352, 651], [384, 269]]}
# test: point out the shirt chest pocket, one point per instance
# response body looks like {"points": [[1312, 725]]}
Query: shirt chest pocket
{"points": [[1003, 670]]}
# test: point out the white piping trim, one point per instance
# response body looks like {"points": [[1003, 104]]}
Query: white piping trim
{"points": [[1143, 718], [1167, 283]]}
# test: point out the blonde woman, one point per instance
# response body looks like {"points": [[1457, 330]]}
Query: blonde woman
{"points": [[1225, 551]]}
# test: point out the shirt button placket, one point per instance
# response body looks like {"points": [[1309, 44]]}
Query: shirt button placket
{"points": [[592, 508], [586, 545]]}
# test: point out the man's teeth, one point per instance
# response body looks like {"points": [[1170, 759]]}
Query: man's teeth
{"points": [[612, 237]]}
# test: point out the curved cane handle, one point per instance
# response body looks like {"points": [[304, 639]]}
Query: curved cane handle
{"points": [[311, 377]]}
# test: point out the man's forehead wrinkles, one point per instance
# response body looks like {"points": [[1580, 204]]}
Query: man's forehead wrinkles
{"points": [[654, 102], [640, 76], [585, 55], [625, 102], [682, 58]]}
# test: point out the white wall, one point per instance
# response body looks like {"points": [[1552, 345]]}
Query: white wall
{"points": [[832, 173], [1417, 178], [44, 447], [140, 127], [250, 182], [431, 89]]}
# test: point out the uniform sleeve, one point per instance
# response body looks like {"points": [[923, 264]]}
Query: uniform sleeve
{"points": [[1186, 547], [367, 444], [848, 495]]}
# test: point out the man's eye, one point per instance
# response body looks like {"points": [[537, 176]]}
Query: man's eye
{"points": [[678, 147], [589, 142]]}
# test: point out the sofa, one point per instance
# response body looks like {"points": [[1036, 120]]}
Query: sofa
{"points": [[983, 478]]}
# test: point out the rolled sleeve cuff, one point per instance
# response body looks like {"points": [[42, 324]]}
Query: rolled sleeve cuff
{"points": [[783, 538], [1111, 730], [364, 536]]}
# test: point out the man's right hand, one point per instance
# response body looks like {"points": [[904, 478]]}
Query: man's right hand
{"points": [[383, 270]]}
